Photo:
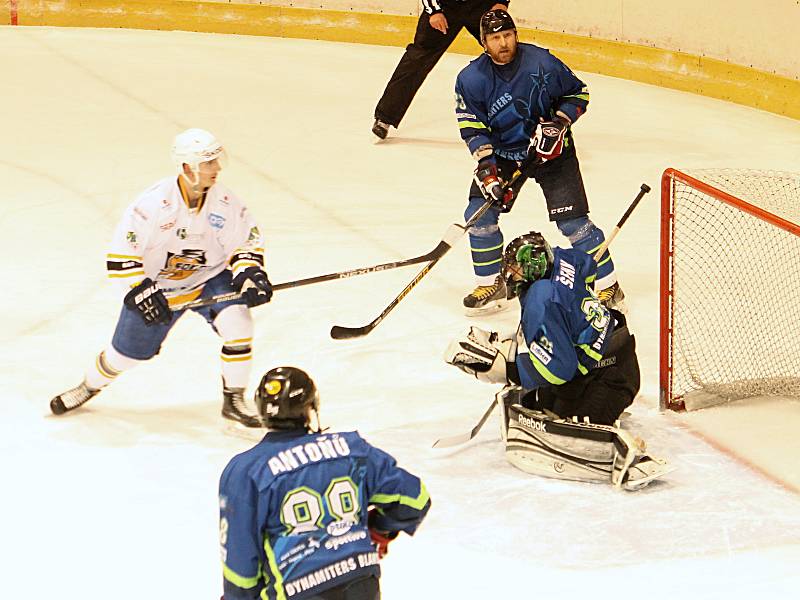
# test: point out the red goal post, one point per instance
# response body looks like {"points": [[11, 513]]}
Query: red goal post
{"points": [[730, 286]]}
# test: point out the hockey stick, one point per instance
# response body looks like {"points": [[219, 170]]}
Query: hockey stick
{"points": [[442, 247], [455, 231], [457, 440], [463, 438], [604, 246]]}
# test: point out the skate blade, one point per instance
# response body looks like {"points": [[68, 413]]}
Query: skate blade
{"points": [[251, 434], [647, 473], [490, 309]]}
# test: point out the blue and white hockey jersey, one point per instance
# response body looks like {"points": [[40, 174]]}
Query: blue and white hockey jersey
{"points": [[293, 513], [500, 105], [565, 327]]}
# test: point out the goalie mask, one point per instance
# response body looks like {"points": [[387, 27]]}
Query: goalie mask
{"points": [[285, 398], [194, 147], [525, 260]]}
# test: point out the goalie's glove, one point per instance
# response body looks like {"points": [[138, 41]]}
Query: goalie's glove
{"points": [[254, 286], [490, 184], [548, 138], [149, 302], [484, 356], [380, 537]]}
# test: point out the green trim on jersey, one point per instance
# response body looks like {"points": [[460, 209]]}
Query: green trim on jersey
{"points": [[417, 503], [240, 580], [545, 372], [280, 592]]}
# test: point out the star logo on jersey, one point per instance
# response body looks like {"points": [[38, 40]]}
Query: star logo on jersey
{"points": [[535, 105]]}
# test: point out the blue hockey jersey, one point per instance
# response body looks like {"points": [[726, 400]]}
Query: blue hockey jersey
{"points": [[565, 327], [293, 513], [500, 105]]}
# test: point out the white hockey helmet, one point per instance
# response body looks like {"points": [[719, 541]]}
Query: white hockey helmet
{"points": [[195, 146]]}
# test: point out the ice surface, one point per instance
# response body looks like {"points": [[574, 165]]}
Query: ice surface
{"points": [[118, 500]]}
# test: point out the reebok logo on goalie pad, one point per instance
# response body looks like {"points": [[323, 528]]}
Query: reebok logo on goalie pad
{"points": [[530, 423]]}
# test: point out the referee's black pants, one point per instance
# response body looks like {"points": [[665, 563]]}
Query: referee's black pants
{"points": [[422, 55]]}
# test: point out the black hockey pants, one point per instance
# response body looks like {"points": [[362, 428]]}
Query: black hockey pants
{"points": [[364, 588], [603, 393], [422, 55]]}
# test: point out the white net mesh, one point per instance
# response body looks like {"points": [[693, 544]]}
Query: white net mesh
{"points": [[736, 288]]}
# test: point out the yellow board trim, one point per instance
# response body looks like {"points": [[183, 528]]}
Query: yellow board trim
{"points": [[666, 68]]}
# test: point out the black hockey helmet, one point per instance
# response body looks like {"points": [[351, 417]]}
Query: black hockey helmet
{"points": [[494, 21], [285, 398], [532, 256]]}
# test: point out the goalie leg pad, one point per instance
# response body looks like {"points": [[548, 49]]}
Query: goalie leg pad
{"points": [[539, 444], [508, 396]]}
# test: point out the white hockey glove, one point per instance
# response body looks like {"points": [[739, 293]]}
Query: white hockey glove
{"points": [[482, 355]]}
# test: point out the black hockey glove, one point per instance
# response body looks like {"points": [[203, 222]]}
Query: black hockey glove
{"points": [[254, 286], [150, 302], [379, 537], [548, 138], [488, 180]]}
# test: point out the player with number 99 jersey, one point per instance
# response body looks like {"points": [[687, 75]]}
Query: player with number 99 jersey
{"points": [[294, 509]]}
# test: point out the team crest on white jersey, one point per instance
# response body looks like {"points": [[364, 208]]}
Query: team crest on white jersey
{"points": [[183, 265]]}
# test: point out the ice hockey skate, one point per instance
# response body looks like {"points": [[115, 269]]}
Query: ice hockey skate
{"points": [[235, 408], [72, 399], [486, 299], [380, 129], [613, 297]]}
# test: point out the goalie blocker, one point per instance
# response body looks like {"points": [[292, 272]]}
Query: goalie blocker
{"points": [[546, 445]]}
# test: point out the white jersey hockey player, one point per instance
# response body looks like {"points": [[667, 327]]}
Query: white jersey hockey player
{"points": [[184, 238]]}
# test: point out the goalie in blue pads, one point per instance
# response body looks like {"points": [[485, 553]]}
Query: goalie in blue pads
{"points": [[573, 358]]}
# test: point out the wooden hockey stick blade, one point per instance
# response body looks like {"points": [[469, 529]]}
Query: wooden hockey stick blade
{"points": [[457, 440], [453, 234], [339, 332]]}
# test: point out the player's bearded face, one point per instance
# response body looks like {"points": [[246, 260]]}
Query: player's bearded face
{"points": [[501, 46]]}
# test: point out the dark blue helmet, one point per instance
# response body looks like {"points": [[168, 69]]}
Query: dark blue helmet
{"points": [[285, 398], [494, 21]]}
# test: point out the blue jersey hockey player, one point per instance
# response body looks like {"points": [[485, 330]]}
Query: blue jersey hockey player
{"points": [[568, 373], [577, 354], [295, 516], [515, 100]]}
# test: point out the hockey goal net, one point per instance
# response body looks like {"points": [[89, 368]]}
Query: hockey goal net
{"points": [[730, 286]]}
